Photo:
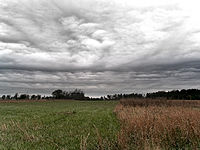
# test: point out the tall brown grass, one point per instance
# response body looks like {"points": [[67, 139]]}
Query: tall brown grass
{"points": [[159, 102], [158, 125]]}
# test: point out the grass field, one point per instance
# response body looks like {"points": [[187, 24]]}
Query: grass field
{"points": [[106, 125], [65, 125]]}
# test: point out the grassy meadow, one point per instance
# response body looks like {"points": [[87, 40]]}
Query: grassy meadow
{"points": [[100, 125], [65, 125]]}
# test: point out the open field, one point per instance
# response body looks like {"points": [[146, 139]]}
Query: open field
{"points": [[107, 125], [159, 124], [58, 125]]}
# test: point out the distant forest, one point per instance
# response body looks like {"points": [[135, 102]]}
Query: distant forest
{"points": [[77, 94]]}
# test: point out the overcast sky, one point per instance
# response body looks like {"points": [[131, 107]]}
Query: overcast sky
{"points": [[100, 46]]}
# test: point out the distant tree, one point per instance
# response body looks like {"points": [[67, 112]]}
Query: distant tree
{"points": [[57, 94], [8, 97], [109, 97], [38, 97], [16, 96], [78, 94], [3, 97], [33, 97], [190, 94], [24, 96]]}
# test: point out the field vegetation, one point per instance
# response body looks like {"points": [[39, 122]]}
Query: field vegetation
{"points": [[127, 124], [158, 124], [58, 125]]}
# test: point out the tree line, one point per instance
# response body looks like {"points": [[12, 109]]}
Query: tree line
{"points": [[78, 94], [22, 97], [189, 94]]}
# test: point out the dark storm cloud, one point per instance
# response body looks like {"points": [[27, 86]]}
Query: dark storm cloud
{"points": [[99, 46]]}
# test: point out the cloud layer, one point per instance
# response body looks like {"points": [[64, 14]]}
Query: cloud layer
{"points": [[98, 45]]}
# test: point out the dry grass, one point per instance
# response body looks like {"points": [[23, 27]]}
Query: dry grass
{"points": [[158, 127], [159, 102]]}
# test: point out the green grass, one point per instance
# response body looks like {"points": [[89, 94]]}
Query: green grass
{"points": [[58, 125]]}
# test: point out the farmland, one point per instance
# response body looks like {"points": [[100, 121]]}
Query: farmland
{"points": [[159, 124], [99, 125], [58, 125]]}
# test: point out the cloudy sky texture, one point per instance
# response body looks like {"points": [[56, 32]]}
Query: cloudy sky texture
{"points": [[100, 46]]}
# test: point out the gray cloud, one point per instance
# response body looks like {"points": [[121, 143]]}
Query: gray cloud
{"points": [[100, 46]]}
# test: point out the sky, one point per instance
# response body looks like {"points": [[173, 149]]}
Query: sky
{"points": [[100, 46]]}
